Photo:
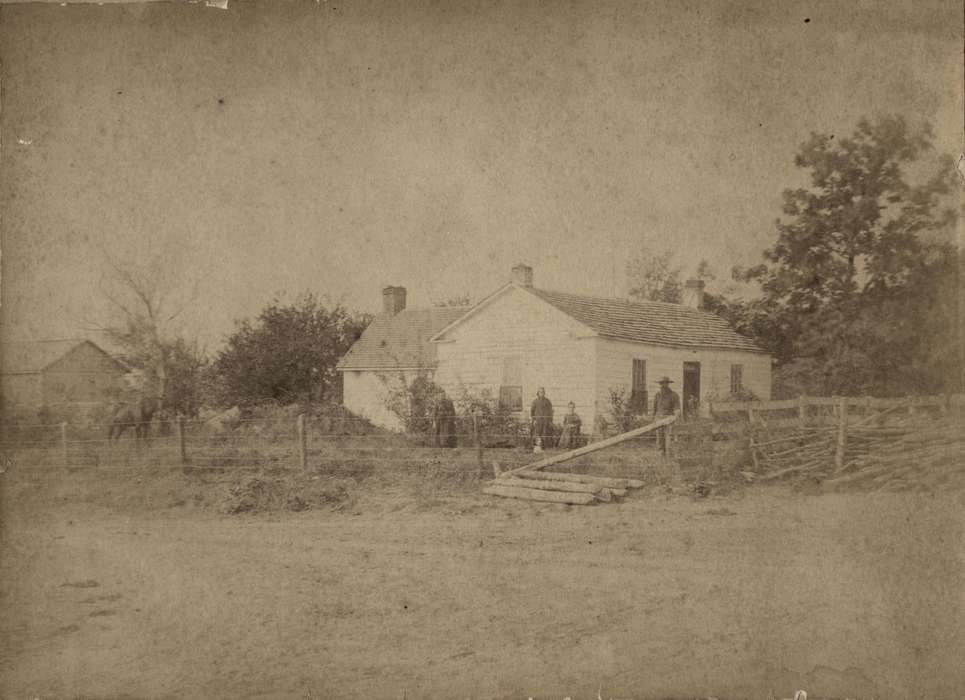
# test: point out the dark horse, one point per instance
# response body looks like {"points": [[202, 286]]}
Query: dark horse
{"points": [[135, 415]]}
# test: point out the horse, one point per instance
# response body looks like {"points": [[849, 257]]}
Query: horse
{"points": [[135, 415]]}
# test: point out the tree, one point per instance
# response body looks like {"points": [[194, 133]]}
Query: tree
{"points": [[287, 354], [144, 308], [857, 287], [653, 277], [463, 299]]}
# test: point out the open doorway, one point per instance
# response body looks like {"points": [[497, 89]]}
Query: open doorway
{"points": [[691, 389]]}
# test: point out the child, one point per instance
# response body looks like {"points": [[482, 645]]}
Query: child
{"points": [[570, 438]]}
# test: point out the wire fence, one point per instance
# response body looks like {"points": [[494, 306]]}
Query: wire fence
{"points": [[734, 433]]}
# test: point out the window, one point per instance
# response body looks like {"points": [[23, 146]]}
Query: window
{"points": [[736, 379], [638, 388], [511, 389], [511, 398]]}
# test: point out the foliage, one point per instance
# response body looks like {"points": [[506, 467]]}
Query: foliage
{"points": [[288, 353], [412, 400], [167, 364], [186, 365], [653, 277], [463, 299], [495, 422], [858, 289], [622, 414], [657, 277]]}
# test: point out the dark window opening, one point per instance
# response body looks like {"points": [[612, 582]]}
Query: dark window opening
{"points": [[639, 398]]}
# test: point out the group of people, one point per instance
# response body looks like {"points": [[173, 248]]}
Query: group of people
{"points": [[541, 413], [665, 403]]}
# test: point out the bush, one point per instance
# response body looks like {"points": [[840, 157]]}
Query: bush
{"points": [[622, 414]]}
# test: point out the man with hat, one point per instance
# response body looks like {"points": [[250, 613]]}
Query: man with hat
{"points": [[665, 403]]}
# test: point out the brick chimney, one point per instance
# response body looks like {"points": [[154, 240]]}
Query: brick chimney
{"points": [[693, 295], [393, 300], [523, 275]]}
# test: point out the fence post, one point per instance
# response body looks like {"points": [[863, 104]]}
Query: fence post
{"points": [[842, 433], [477, 441], [802, 410], [179, 430], [63, 442], [302, 441], [750, 414]]}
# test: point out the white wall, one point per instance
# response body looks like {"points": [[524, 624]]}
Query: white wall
{"points": [[364, 393], [615, 367], [554, 351]]}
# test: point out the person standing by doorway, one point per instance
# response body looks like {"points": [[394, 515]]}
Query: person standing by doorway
{"points": [[665, 403], [542, 414]]}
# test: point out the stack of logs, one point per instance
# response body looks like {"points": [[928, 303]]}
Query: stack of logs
{"points": [[905, 455], [553, 487]]}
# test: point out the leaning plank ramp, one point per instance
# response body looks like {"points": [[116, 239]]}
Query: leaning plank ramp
{"points": [[530, 483]]}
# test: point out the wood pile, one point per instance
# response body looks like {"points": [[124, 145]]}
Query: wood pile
{"points": [[530, 483], [554, 487]]}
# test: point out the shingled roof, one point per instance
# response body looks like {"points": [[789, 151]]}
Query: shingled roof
{"points": [[652, 322], [400, 341]]}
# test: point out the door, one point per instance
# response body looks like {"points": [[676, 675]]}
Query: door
{"points": [[691, 389]]}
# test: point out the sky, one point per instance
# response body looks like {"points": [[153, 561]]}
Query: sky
{"points": [[334, 147]]}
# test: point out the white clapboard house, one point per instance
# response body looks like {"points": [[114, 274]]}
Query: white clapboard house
{"points": [[578, 348]]}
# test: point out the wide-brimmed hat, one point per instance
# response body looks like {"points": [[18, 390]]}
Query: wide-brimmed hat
{"points": [[665, 380]]}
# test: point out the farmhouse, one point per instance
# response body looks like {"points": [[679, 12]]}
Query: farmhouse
{"points": [[581, 349], [58, 377]]}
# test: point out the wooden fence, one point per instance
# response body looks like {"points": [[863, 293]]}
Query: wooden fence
{"points": [[804, 405], [800, 434]]}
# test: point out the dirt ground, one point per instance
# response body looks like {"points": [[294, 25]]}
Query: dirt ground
{"points": [[408, 593]]}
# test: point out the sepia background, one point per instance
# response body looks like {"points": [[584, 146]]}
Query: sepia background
{"points": [[223, 159], [339, 147]]}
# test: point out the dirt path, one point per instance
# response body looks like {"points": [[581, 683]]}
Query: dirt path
{"points": [[854, 595]]}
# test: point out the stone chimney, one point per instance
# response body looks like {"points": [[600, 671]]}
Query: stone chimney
{"points": [[693, 295], [393, 300], [523, 275]]}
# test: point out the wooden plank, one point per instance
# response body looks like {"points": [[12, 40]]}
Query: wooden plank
{"points": [[593, 447], [610, 482], [576, 499], [571, 486]]}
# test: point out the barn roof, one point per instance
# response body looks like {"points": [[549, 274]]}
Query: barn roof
{"points": [[651, 322], [30, 356], [400, 341]]}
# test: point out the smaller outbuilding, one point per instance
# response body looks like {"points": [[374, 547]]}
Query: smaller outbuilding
{"points": [[58, 378]]}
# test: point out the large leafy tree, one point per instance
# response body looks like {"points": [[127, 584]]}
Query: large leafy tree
{"points": [[860, 288], [288, 353]]}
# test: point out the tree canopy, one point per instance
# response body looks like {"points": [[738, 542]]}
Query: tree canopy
{"points": [[288, 353], [656, 276], [860, 289]]}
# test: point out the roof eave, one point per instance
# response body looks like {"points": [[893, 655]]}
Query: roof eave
{"points": [[339, 368], [701, 346]]}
